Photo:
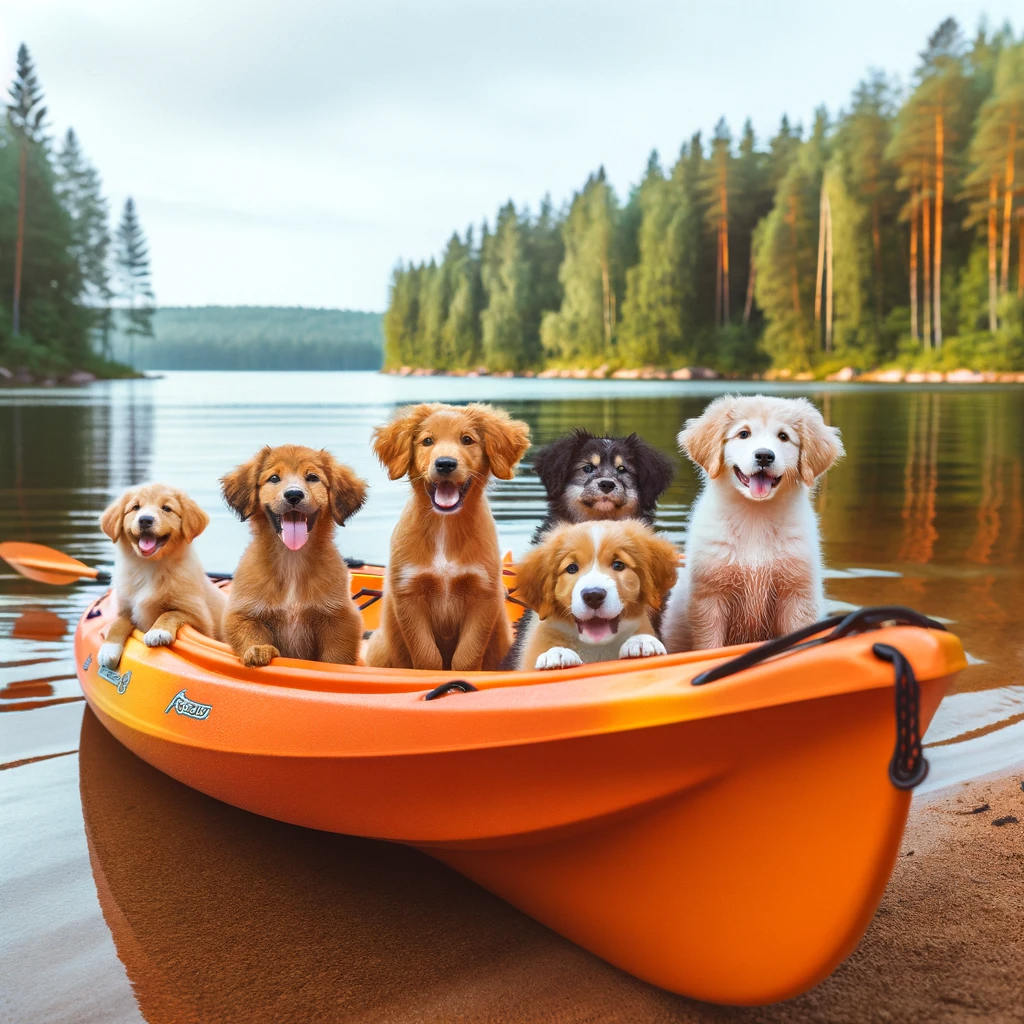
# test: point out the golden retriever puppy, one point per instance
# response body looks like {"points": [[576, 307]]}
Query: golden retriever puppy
{"points": [[291, 594], [159, 583], [753, 553], [444, 599], [595, 587]]}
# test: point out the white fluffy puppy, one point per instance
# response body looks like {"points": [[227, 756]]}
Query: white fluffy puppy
{"points": [[753, 553]]}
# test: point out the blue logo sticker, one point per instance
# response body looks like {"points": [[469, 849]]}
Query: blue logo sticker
{"points": [[87, 663], [121, 682], [193, 709]]}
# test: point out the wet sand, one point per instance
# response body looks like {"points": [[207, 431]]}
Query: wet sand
{"points": [[219, 915]]}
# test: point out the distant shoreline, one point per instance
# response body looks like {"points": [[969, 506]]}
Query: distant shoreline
{"points": [[846, 375]]}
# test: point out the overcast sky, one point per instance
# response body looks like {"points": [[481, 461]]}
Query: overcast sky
{"points": [[290, 153]]}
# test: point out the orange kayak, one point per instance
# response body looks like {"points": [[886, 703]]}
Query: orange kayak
{"points": [[728, 840]]}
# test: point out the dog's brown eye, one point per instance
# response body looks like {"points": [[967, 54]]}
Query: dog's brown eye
{"points": [[572, 568], [466, 439], [167, 508], [135, 508], [743, 434], [273, 479], [427, 442], [783, 436], [312, 478], [618, 566]]}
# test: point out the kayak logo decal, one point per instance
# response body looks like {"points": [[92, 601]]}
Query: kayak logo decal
{"points": [[190, 708], [121, 682]]}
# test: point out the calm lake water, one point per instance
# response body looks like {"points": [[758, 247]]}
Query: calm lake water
{"points": [[125, 896]]}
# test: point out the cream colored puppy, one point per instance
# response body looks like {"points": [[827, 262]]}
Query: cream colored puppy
{"points": [[753, 552]]}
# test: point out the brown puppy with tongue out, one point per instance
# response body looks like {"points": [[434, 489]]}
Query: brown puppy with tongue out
{"points": [[291, 595], [444, 600]]}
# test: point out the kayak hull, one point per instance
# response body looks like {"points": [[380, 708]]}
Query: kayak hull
{"points": [[729, 842]]}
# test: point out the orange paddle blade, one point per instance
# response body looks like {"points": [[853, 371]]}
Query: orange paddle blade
{"points": [[47, 565]]}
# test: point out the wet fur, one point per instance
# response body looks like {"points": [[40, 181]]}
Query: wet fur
{"points": [[753, 568], [571, 490], [443, 605], [293, 604], [169, 589], [544, 585]]}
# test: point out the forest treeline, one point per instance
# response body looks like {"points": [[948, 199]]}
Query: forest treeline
{"points": [[258, 338], [65, 277], [890, 233]]}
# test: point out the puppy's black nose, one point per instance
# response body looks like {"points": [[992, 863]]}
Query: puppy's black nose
{"points": [[593, 597], [606, 485], [145, 522], [293, 495], [764, 456], [446, 465]]}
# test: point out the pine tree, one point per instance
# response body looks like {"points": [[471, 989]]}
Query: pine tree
{"points": [[136, 290], [995, 157], [658, 288], [460, 335], [80, 193], [862, 141], [583, 327], [716, 187], [26, 116], [506, 280]]}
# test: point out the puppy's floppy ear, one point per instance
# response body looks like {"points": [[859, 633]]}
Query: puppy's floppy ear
{"points": [[654, 471], [554, 462], [505, 439], [112, 519], [657, 566], [536, 578], [392, 442], [701, 438], [819, 443], [240, 486], [193, 519], [347, 491]]}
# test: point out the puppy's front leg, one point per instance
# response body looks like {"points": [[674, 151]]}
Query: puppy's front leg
{"points": [[117, 637], [413, 617], [796, 609], [251, 640], [476, 630], [340, 637], [709, 622], [163, 632]]}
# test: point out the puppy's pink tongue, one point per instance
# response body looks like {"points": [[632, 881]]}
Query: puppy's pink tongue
{"points": [[760, 485], [446, 494], [293, 531], [597, 630], [147, 545]]}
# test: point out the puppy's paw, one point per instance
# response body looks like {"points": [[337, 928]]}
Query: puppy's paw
{"points": [[110, 655], [559, 657], [158, 638], [259, 655], [643, 645]]}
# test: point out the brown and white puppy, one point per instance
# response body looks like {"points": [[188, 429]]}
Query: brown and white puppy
{"points": [[159, 583], [291, 594], [587, 478], [753, 554], [444, 598], [595, 587]]}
